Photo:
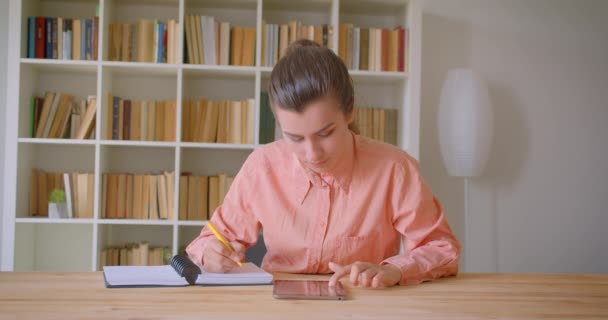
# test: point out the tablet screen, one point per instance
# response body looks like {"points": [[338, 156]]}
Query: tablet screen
{"points": [[307, 289]]}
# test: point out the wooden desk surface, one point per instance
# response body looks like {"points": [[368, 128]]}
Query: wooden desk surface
{"points": [[467, 296]]}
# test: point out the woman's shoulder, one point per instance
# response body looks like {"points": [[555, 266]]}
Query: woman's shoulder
{"points": [[267, 157], [375, 153]]}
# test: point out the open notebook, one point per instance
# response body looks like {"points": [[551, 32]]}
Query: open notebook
{"points": [[181, 272]]}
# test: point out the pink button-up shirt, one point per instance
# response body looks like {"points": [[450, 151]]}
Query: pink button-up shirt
{"points": [[358, 212]]}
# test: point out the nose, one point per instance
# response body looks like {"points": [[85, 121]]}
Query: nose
{"points": [[314, 152]]}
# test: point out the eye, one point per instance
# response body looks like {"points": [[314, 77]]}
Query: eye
{"points": [[295, 139], [326, 134]]}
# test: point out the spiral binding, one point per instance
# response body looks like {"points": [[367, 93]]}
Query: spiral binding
{"points": [[185, 268]]}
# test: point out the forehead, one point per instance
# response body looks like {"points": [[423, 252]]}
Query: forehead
{"points": [[315, 116]]}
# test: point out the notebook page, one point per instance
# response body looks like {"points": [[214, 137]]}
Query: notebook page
{"points": [[249, 273], [142, 276]]}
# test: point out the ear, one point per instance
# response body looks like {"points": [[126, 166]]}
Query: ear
{"points": [[274, 114], [350, 117]]}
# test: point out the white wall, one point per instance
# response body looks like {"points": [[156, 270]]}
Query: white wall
{"points": [[540, 206], [3, 64]]}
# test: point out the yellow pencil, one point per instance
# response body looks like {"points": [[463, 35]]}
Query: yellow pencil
{"points": [[222, 240]]}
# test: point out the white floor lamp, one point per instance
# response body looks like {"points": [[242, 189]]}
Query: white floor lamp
{"points": [[465, 123]]}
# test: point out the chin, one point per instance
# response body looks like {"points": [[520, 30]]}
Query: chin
{"points": [[320, 168]]}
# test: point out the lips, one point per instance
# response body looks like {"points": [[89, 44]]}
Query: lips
{"points": [[318, 163]]}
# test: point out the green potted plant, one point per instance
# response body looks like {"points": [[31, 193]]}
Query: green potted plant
{"points": [[57, 205]]}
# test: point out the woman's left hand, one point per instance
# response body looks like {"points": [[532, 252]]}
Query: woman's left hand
{"points": [[366, 275]]}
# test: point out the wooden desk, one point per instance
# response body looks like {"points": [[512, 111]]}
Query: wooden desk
{"points": [[467, 296]]}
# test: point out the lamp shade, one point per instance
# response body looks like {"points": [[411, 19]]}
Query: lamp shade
{"points": [[465, 122]]}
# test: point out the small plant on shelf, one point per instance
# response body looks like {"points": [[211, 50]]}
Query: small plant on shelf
{"points": [[57, 204]]}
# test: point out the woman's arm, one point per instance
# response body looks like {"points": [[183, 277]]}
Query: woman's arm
{"points": [[430, 249], [234, 218]]}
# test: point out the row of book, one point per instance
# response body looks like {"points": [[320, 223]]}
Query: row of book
{"points": [[377, 123], [138, 196], [135, 254], [140, 120], [131, 196], [209, 41], [199, 196], [218, 121], [62, 38], [373, 49], [213, 42], [59, 115], [277, 37], [152, 41], [77, 187]]}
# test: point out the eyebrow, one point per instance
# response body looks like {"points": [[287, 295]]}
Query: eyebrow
{"points": [[318, 131]]}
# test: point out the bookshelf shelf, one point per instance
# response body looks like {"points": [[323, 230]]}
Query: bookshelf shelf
{"points": [[56, 141], [377, 75], [191, 223], [135, 222], [219, 146], [211, 70], [57, 65], [139, 68], [55, 221], [32, 242], [138, 143]]}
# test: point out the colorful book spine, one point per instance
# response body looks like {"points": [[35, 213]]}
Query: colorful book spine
{"points": [[48, 43], [67, 39], [160, 47], [31, 37], [83, 39]]}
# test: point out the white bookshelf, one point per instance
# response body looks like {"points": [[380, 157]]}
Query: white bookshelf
{"points": [[34, 243]]}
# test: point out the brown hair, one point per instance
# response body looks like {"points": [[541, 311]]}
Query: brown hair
{"points": [[306, 73]]}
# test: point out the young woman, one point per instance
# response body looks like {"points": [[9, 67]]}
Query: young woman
{"points": [[327, 199]]}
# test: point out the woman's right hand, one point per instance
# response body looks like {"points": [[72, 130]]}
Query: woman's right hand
{"points": [[218, 258]]}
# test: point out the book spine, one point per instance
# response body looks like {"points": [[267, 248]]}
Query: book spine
{"points": [[83, 39], [160, 48], [31, 37], [40, 32], [115, 117], [54, 38], [89, 40], [127, 120], [48, 44]]}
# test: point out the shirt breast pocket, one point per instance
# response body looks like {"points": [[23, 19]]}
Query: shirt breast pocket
{"points": [[364, 248]]}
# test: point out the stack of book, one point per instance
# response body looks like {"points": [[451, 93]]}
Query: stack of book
{"points": [[62, 38], [199, 196], [377, 123], [78, 188], [373, 49], [218, 121], [138, 196], [277, 37], [151, 41], [213, 42], [140, 120], [135, 254], [57, 115]]}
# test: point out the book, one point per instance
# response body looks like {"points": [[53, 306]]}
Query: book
{"points": [[182, 272]]}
